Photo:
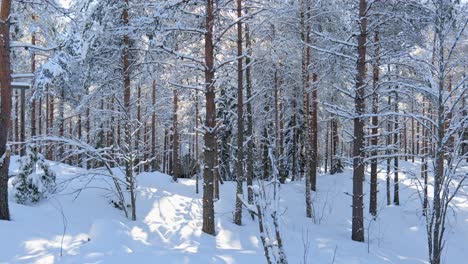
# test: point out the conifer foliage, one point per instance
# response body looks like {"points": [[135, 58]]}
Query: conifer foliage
{"points": [[35, 180]]}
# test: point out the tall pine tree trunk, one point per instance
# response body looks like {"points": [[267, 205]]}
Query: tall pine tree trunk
{"points": [[138, 129], [396, 141], [175, 140], [5, 104], [164, 162], [375, 130], [248, 79], [50, 122], [129, 173], [358, 154], [305, 16], [210, 123], [33, 99], [388, 152], [23, 122], [314, 135], [197, 161], [16, 137], [240, 119], [153, 128]]}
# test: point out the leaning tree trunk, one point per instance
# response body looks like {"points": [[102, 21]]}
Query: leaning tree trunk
{"points": [[358, 154], [5, 104]]}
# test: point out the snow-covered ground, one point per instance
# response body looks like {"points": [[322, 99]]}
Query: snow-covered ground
{"points": [[168, 228]]}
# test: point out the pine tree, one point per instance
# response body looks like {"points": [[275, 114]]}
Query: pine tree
{"points": [[358, 143]]}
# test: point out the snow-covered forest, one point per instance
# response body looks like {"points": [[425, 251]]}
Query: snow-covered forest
{"points": [[234, 131]]}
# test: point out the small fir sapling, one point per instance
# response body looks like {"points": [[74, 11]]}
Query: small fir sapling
{"points": [[35, 180]]}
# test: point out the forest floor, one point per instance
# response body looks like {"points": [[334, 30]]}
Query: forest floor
{"points": [[80, 225]]}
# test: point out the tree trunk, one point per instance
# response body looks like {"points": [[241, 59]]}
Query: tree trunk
{"points": [[327, 149], [33, 100], [265, 162], [153, 128], [216, 176], [405, 139], [23, 122], [88, 130], [164, 165], [146, 143], [424, 158], [61, 121], [375, 129], [248, 79], [175, 138], [39, 122], [305, 16], [50, 123], [314, 135], [358, 155], [388, 152], [197, 161], [17, 138], [413, 153], [79, 136], [396, 190], [5, 104], [240, 119], [138, 129], [128, 126], [210, 124]]}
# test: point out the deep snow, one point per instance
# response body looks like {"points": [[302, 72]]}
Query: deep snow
{"points": [[168, 228]]}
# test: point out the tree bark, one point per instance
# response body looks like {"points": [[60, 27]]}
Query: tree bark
{"points": [[327, 149], [50, 123], [210, 124], [248, 79], [16, 137], [164, 163], [396, 189], [128, 126], [197, 161], [240, 119], [33, 100], [314, 134], [23, 122], [305, 16], [358, 155], [175, 141], [5, 104], [138, 129], [153, 128], [388, 152], [375, 130]]}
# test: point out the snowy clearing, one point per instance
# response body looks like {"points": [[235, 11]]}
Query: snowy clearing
{"points": [[168, 228]]}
